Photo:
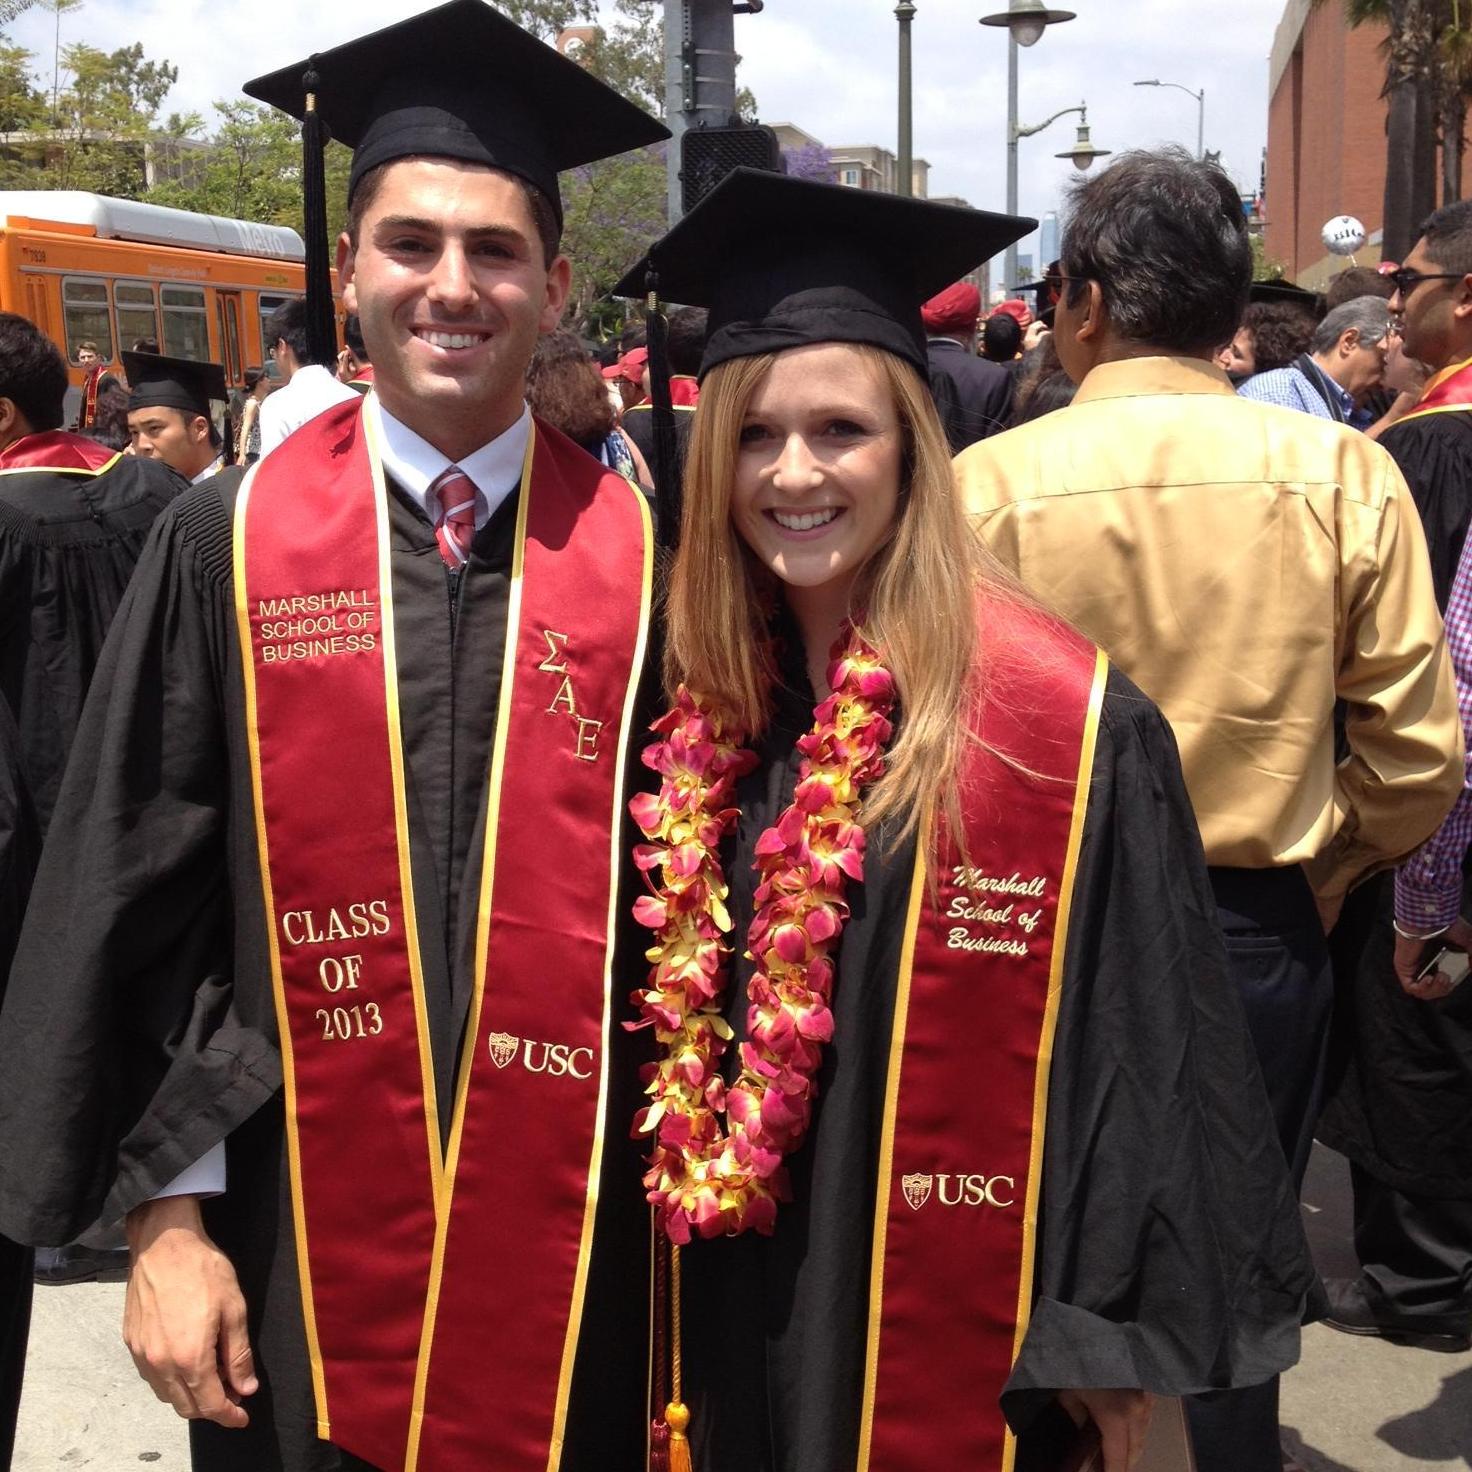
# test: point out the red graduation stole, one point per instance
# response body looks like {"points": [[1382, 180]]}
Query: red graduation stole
{"points": [[58, 449], [980, 982], [1451, 388], [420, 1358]]}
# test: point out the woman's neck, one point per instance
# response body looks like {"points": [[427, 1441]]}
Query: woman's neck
{"points": [[819, 614]]}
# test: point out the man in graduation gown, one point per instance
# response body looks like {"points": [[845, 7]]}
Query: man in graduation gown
{"points": [[74, 516], [1402, 1077], [1249, 569], [170, 416], [364, 1109]]}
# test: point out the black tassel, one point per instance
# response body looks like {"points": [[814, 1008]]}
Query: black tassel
{"points": [[668, 471], [321, 320]]}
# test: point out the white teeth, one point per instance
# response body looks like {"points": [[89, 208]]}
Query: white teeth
{"points": [[804, 523], [451, 339]]}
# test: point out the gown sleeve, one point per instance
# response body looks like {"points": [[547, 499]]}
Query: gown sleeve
{"points": [[1172, 1256], [122, 1057], [1435, 456]]}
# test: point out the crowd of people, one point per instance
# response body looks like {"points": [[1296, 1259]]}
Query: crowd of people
{"points": [[790, 891]]}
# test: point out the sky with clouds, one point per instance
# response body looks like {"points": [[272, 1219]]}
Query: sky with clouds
{"points": [[830, 67]]}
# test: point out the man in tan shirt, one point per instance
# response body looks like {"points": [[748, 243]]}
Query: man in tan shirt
{"points": [[1247, 567]]}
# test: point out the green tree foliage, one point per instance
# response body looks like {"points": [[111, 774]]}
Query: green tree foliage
{"points": [[22, 104]]}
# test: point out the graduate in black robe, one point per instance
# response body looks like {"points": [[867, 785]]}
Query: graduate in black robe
{"points": [[148, 907], [1171, 1258], [1434, 453]]}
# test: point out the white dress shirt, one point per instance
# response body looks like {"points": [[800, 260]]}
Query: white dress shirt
{"points": [[309, 392], [415, 465]]}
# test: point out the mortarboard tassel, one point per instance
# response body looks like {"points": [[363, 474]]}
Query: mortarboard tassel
{"points": [[667, 468], [321, 321]]}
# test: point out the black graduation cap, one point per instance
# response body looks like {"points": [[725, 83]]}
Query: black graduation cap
{"points": [[157, 382], [782, 262], [462, 81], [1284, 294]]}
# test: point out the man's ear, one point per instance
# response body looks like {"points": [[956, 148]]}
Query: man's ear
{"points": [[12, 422], [1462, 306], [1349, 342], [346, 259], [1096, 318], [559, 288]]}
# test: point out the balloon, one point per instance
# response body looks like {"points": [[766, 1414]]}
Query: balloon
{"points": [[1343, 235]]}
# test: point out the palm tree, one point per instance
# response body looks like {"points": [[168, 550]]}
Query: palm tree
{"points": [[1454, 58], [1412, 71]]}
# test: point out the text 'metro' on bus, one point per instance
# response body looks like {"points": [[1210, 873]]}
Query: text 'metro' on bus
{"points": [[86, 268]]}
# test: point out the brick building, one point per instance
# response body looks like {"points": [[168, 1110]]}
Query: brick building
{"points": [[1326, 137]]}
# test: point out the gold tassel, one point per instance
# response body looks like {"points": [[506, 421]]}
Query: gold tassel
{"points": [[677, 1418]]}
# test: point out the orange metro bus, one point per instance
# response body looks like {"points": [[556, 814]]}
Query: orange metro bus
{"points": [[84, 267]]}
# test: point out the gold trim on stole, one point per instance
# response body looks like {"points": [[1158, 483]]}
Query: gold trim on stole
{"points": [[482, 945], [886, 1145], [278, 993], [595, 1169], [1040, 1091]]}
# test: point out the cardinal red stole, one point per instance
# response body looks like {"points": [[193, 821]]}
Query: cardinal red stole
{"points": [[982, 972], [442, 1281], [1451, 388]]}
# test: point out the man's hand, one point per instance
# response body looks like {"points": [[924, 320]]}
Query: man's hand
{"points": [[1122, 1416], [184, 1319], [1412, 953]]}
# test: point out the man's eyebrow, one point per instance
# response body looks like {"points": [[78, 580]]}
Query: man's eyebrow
{"points": [[434, 227]]}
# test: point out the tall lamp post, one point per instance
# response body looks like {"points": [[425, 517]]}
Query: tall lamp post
{"points": [[1025, 20], [904, 13], [1200, 109]]}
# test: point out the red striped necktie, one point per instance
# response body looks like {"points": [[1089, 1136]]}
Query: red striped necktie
{"points": [[451, 498]]}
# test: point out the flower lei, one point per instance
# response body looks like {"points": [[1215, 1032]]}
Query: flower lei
{"points": [[703, 1180]]}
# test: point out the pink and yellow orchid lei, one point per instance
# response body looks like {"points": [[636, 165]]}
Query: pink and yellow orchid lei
{"points": [[703, 1180]]}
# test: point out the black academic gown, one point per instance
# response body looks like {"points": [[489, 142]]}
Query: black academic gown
{"points": [[1171, 1253], [19, 846], [141, 1029], [1434, 453], [1399, 1099], [68, 544]]}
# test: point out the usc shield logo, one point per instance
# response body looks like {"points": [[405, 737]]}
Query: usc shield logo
{"points": [[503, 1048], [917, 1189]]}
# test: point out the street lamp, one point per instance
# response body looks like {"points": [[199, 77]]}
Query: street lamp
{"points": [[904, 13], [1200, 109], [1083, 153], [1025, 20]]}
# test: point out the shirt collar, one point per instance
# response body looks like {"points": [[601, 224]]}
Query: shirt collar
{"points": [[213, 468], [1346, 399], [1128, 377], [415, 464]]}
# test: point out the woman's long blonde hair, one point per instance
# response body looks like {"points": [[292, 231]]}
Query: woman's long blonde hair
{"points": [[917, 595]]}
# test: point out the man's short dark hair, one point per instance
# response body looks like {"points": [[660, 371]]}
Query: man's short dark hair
{"points": [[288, 324], [687, 340], [1448, 236], [1166, 239], [32, 372], [544, 216], [1001, 336], [1357, 281], [634, 335]]}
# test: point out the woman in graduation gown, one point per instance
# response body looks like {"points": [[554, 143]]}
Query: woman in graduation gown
{"points": [[974, 1130]]}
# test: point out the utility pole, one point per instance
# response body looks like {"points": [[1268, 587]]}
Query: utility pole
{"points": [[700, 75]]}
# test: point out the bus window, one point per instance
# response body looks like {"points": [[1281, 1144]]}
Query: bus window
{"points": [[84, 307], [136, 312], [186, 332], [266, 304]]}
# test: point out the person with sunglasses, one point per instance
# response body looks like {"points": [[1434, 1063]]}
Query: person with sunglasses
{"points": [[1400, 1102]]}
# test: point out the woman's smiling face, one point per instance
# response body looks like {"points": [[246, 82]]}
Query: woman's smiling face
{"points": [[819, 465]]}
